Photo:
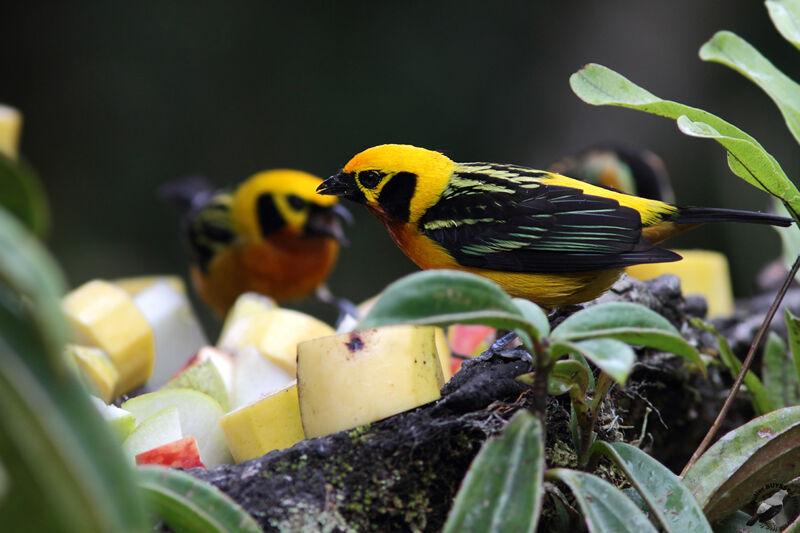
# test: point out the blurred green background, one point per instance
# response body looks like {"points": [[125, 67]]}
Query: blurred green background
{"points": [[120, 97]]}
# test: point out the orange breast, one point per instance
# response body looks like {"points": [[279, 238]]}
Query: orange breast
{"points": [[282, 268]]}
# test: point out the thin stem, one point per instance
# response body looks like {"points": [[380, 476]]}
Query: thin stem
{"points": [[745, 366], [542, 370], [604, 383]]}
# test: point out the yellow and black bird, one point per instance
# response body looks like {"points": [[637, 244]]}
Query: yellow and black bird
{"points": [[618, 166], [548, 238], [272, 234]]}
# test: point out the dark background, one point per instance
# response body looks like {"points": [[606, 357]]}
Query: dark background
{"points": [[120, 97]]}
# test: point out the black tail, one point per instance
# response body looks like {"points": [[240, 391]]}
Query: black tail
{"points": [[187, 192], [699, 215]]}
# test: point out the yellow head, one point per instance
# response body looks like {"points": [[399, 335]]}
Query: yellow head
{"points": [[285, 201], [397, 180]]}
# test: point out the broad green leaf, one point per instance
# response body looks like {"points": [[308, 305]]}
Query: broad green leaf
{"points": [[598, 85], [747, 160], [613, 357], [604, 507], [58, 453], [793, 327], [629, 323], [777, 371], [610, 316], [785, 14], [22, 194], [443, 297], [503, 488], [737, 523], [759, 396], [733, 51], [187, 504], [765, 450], [533, 314], [671, 503], [650, 338]]}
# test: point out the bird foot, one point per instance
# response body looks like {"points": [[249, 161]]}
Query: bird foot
{"points": [[347, 309]]}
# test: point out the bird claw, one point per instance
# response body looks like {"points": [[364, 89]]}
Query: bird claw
{"points": [[347, 309]]}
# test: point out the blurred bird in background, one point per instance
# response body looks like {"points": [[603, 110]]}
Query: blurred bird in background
{"points": [[542, 236], [624, 168], [272, 234]]}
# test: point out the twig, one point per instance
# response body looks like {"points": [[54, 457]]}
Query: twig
{"points": [[745, 366]]}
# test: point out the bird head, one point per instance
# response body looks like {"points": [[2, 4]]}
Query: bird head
{"points": [[396, 181], [285, 201]]}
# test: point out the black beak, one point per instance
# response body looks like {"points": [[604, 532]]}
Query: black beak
{"points": [[343, 185], [328, 222]]}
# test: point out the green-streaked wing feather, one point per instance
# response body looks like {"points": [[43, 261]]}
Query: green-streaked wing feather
{"points": [[209, 229], [503, 217]]}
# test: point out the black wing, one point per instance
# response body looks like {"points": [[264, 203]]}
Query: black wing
{"points": [[501, 217], [208, 229]]}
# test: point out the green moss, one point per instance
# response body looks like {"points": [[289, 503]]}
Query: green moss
{"points": [[357, 434], [561, 455]]}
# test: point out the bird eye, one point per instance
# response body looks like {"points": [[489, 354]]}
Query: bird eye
{"points": [[295, 202], [370, 178]]}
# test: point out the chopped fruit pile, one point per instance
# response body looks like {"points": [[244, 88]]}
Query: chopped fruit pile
{"points": [[275, 377]]}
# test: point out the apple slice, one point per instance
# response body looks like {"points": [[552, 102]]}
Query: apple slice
{"points": [[203, 377], [103, 315], [236, 321], [222, 360], [161, 427], [199, 415], [443, 353], [121, 421], [10, 124], [255, 375], [182, 453], [276, 333], [286, 329], [136, 284], [360, 377], [269, 423], [95, 369], [176, 332], [470, 340]]}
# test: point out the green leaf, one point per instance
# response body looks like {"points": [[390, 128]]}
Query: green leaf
{"points": [[598, 85], [777, 371], [629, 323], [604, 507], [187, 504], [733, 51], [503, 488], [793, 327], [613, 357], [22, 194], [534, 315], [671, 503], [572, 372], [785, 14], [765, 450], [444, 297], [610, 316], [58, 453], [759, 396]]}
